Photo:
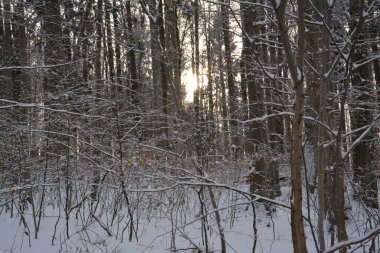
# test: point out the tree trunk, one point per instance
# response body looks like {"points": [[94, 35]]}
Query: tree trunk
{"points": [[234, 148], [210, 90], [132, 58], [256, 132], [98, 89], [247, 15], [362, 112], [110, 51], [99, 36], [53, 52], [296, 72], [5, 84], [223, 103], [156, 54], [19, 77], [173, 54], [85, 28], [20, 89], [274, 97], [163, 67], [118, 34], [376, 70]]}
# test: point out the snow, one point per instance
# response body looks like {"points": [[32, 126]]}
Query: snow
{"points": [[278, 3], [166, 219], [159, 227], [309, 155], [299, 74], [368, 235], [345, 56], [155, 237], [269, 74]]}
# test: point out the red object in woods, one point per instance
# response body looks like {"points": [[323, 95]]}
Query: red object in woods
{"points": [[250, 178]]}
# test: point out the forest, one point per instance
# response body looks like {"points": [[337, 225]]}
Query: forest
{"points": [[194, 126]]}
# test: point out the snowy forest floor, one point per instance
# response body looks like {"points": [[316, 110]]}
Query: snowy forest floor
{"points": [[167, 217]]}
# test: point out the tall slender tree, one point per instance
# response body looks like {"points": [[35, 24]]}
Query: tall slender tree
{"points": [[232, 103], [362, 109], [295, 64]]}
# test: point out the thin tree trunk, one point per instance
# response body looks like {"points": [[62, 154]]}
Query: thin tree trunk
{"points": [[274, 96], [362, 110], [20, 90], [173, 53], [247, 15], [110, 51], [376, 70], [19, 77], [85, 43], [218, 221], [118, 34], [230, 78], [210, 89], [296, 72], [163, 67], [53, 52], [223, 102], [132, 58], [156, 53], [5, 84], [98, 87]]}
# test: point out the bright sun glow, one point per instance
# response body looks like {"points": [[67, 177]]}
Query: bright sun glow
{"points": [[190, 85]]}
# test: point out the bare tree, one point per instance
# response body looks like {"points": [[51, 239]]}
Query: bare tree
{"points": [[295, 63]]}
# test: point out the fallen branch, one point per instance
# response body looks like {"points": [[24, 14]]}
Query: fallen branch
{"points": [[349, 242], [104, 226]]}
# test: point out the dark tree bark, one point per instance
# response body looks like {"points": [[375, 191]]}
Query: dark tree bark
{"points": [[98, 46], [85, 29], [110, 51], [118, 34], [5, 84], [252, 55], [132, 58], [246, 67], [317, 92], [274, 95], [197, 93], [296, 71], [232, 103], [223, 101], [163, 67], [362, 110], [1, 33], [19, 58], [210, 90], [53, 52], [256, 133], [156, 53], [173, 54]]}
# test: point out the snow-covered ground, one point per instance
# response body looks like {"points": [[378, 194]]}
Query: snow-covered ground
{"points": [[155, 235], [167, 220]]}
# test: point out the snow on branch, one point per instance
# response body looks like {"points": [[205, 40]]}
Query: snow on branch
{"points": [[349, 242], [289, 114], [104, 226], [38, 66], [12, 104], [357, 65], [361, 137], [22, 187]]}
